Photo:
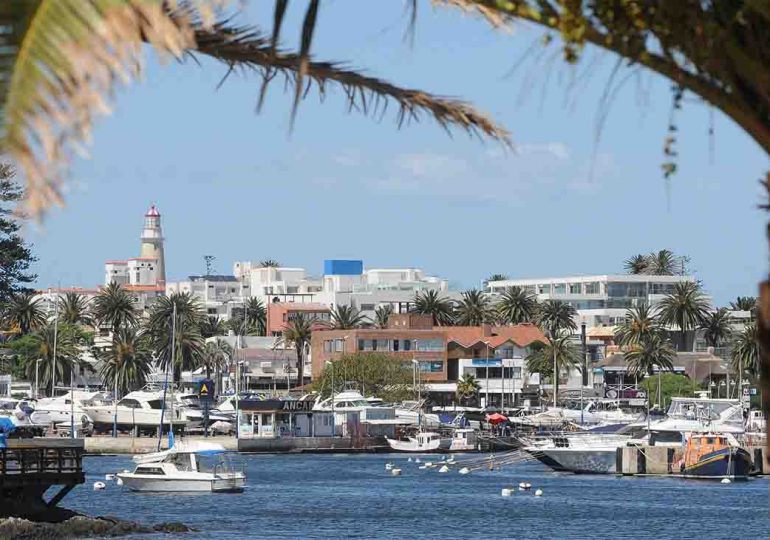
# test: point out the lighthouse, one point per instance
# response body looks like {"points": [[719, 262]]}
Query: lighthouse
{"points": [[152, 243]]}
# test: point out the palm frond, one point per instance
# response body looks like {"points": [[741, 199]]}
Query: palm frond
{"points": [[246, 48], [59, 63]]}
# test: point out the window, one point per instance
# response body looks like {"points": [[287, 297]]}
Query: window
{"points": [[150, 470], [560, 288], [424, 345], [592, 287], [544, 289], [327, 346], [130, 403], [339, 345], [431, 366], [504, 352], [211, 311], [574, 288], [395, 345], [407, 344], [361, 345], [155, 404], [380, 344], [367, 307]]}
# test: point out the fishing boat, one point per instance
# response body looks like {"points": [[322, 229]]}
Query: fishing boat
{"points": [[715, 456], [186, 467], [421, 442]]}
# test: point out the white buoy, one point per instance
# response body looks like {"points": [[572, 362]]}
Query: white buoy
{"points": [[451, 460], [423, 467], [388, 466], [109, 477], [428, 464], [506, 492], [725, 481], [417, 460], [119, 481], [464, 470], [409, 459], [395, 472], [98, 486], [444, 469], [538, 493]]}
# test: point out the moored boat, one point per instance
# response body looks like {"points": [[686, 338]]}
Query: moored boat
{"points": [[714, 456], [422, 442]]}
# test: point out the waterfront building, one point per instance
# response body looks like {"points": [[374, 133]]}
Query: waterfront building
{"points": [[600, 300], [219, 295], [281, 314], [493, 354]]}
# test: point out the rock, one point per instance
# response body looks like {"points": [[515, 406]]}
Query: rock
{"points": [[81, 527]]}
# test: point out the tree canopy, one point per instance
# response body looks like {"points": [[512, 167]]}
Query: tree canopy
{"points": [[15, 254]]}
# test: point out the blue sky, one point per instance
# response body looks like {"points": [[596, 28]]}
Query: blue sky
{"points": [[237, 185]]}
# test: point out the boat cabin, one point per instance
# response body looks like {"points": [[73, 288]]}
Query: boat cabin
{"points": [[701, 445]]}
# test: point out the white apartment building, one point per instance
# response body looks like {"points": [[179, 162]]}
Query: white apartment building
{"points": [[600, 300]]}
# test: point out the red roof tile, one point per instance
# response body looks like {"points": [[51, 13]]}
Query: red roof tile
{"points": [[467, 336]]}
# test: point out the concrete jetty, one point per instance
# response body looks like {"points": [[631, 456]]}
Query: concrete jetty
{"points": [[144, 445]]}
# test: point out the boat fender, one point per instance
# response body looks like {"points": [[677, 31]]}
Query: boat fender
{"points": [[506, 492], [109, 477], [395, 472], [725, 481], [99, 486], [464, 470], [119, 481], [538, 493]]}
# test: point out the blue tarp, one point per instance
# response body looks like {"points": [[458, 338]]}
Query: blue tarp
{"points": [[6, 426], [209, 452]]}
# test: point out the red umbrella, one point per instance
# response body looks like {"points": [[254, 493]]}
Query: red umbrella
{"points": [[496, 418]]}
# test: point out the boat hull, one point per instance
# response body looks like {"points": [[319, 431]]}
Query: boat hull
{"points": [[588, 461], [732, 462], [220, 484], [442, 445]]}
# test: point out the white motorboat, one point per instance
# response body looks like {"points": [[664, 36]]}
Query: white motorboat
{"points": [[60, 408], [23, 415], [463, 440], [186, 467], [423, 441], [139, 409], [191, 410]]}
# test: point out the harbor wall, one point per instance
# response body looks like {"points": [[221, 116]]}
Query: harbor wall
{"points": [[662, 460], [144, 445], [312, 444]]}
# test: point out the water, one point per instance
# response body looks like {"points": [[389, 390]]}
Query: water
{"points": [[339, 496]]}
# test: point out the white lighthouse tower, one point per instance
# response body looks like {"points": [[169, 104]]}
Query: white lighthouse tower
{"points": [[152, 243]]}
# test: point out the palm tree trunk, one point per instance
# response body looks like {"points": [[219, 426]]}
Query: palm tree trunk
{"points": [[300, 364]]}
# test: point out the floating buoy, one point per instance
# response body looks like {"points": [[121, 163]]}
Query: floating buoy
{"points": [[464, 470], [388, 466], [109, 477], [538, 493], [444, 469], [417, 460], [428, 464], [409, 459], [395, 472], [506, 492], [423, 467], [98, 486], [119, 481], [451, 460], [725, 481]]}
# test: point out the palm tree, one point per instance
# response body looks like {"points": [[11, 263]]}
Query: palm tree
{"points": [[70, 66], [382, 314], [717, 327], [651, 351], [65, 341], [640, 323], [23, 310], [467, 388], [256, 316], [297, 333], [430, 303], [127, 361], [115, 306], [216, 354], [74, 309], [556, 316], [517, 306], [188, 341], [745, 354], [684, 308], [637, 264], [474, 309], [560, 351], [212, 326], [269, 263], [346, 317], [745, 303], [662, 263], [496, 277]]}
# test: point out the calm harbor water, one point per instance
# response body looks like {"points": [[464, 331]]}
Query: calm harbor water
{"points": [[341, 496]]}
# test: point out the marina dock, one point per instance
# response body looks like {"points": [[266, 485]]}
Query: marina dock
{"points": [[30, 467]]}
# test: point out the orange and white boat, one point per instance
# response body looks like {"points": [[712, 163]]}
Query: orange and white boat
{"points": [[711, 455]]}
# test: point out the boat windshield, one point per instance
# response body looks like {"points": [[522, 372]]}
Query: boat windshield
{"points": [[703, 410]]}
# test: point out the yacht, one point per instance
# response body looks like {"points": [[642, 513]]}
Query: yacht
{"points": [[192, 411], [422, 441], [60, 408], [23, 416], [194, 466], [140, 409], [596, 453]]}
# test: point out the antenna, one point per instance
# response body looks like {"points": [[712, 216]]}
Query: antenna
{"points": [[209, 260]]}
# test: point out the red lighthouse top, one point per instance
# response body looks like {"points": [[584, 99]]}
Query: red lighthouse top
{"points": [[152, 212]]}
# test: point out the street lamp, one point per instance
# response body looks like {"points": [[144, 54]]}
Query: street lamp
{"points": [[486, 377], [416, 376], [330, 365], [37, 384], [712, 384], [721, 385]]}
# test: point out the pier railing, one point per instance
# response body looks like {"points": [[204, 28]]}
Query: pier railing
{"points": [[41, 461]]}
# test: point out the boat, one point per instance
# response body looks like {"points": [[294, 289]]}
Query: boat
{"points": [[192, 411], [582, 453], [714, 456], [61, 408], [140, 409], [463, 440], [22, 414], [422, 442], [186, 467]]}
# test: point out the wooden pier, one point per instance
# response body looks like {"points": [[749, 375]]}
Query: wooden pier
{"points": [[30, 467]]}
